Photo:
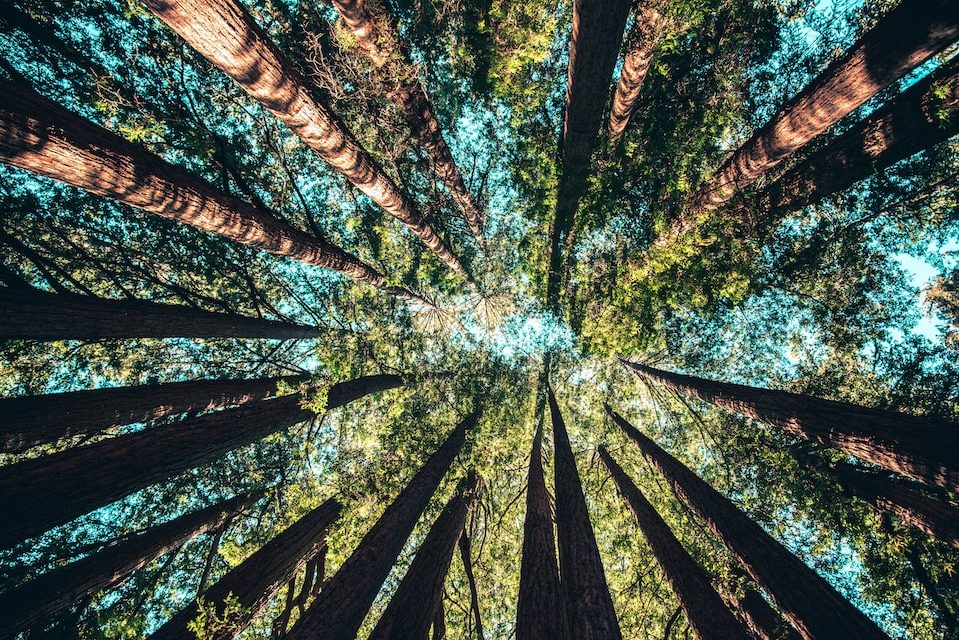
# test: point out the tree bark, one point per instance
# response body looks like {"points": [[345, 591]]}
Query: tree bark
{"points": [[339, 609], [922, 448], [590, 606], [45, 138], [763, 621], [410, 612], [44, 492], [707, 614], [255, 581], [56, 590], [642, 39], [225, 34], [28, 421], [810, 603]]}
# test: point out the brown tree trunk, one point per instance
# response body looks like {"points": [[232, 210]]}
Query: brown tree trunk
{"points": [[763, 621], [58, 589], [467, 557], [705, 611], [225, 34], [43, 137], [639, 55], [44, 492], [810, 603], [28, 421], [345, 600], [926, 449], [255, 581], [410, 612], [590, 606]]}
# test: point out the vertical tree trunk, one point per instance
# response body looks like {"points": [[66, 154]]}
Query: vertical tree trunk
{"points": [[410, 612], [344, 601], [590, 606], [40, 136], [926, 449], [41, 493], [28, 421], [810, 603], [704, 609], [225, 34], [58, 589], [467, 557], [255, 581], [642, 41]]}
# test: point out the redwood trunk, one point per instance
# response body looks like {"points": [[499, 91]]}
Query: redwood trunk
{"points": [[339, 609], [225, 34], [41, 493], [639, 55], [810, 603], [255, 581], [763, 621], [411, 610], [28, 421], [58, 589], [590, 606], [707, 615], [926, 449]]}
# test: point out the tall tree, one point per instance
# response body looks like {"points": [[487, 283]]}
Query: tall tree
{"points": [[24, 606], [810, 603], [411, 609], [44, 492], [707, 614], [340, 608], [763, 621], [225, 34], [641, 44], [28, 421], [919, 447], [590, 606], [251, 585]]}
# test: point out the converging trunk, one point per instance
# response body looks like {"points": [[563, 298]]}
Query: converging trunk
{"points": [[764, 622], [642, 41]]}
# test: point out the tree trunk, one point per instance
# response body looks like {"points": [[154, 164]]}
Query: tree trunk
{"points": [[411, 610], [28, 421], [225, 34], [704, 609], [345, 600], [43, 137], [926, 449], [44, 492], [255, 581], [590, 606], [467, 557], [642, 39], [810, 603], [376, 35], [58, 589], [763, 621]]}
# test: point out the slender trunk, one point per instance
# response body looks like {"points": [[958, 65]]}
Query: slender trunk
{"points": [[810, 603], [345, 600], [410, 612], [903, 39], [926, 449], [225, 34], [43, 137], [704, 609], [642, 40], [44, 492], [58, 589], [590, 606], [763, 621], [467, 557], [254, 582], [439, 621], [28, 421]]}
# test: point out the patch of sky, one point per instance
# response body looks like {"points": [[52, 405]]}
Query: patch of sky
{"points": [[521, 335]]}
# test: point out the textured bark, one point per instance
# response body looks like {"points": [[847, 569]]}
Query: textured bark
{"points": [[339, 610], [926, 449], [411, 610], [257, 579], [540, 611], [58, 589], [590, 606], [377, 37], [225, 34], [43, 137], [704, 609], [903, 39], [639, 55], [41, 493], [28, 421], [598, 27], [811, 604]]}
